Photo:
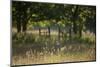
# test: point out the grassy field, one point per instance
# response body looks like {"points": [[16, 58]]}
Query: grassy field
{"points": [[67, 55], [33, 49]]}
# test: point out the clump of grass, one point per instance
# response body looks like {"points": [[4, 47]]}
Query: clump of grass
{"points": [[20, 38], [84, 39]]}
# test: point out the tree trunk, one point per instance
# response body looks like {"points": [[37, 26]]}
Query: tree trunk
{"points": [[75, 28], [18, 26], [49, 31], [80, 33], [59, 33], [74, 18], [39, 31], [80, 30], [24, 26], [70, 32]]}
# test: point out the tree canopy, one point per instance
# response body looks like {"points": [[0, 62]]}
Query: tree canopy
{"points": [[78, 17]]}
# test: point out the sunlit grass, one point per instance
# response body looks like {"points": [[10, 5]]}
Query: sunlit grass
{"points": [[33, 49], [69, 53], [54, 58]]}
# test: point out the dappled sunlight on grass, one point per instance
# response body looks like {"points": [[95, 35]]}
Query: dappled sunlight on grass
{"points": [[33, 49]]}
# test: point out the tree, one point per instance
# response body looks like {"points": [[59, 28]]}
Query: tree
{"points": [[74, 17], [20, 14]]}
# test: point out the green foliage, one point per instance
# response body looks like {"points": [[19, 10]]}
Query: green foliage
{"points": [[74, 17]]}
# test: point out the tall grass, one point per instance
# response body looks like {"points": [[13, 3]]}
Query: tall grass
{"points": [[30, 48]]}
